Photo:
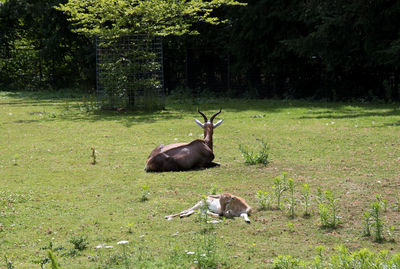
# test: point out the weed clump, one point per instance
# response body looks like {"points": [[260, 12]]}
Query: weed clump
{"points": [[343, 258], [80, 242], [145, 193], [264, 200], [252, 158], [328, 209]]}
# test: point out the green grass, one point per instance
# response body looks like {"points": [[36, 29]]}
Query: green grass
{"points": [[51, 192]]}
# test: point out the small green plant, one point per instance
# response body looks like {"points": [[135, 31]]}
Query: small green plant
{"points": [[89, 104], [80, 242], [264, 200], [290, 227], [287, 262], [206, 255], [382, 201], [319, 259], [391, 233], [342, 258], [15, 159], [367, 223], [123, 244], [130, 226], [9, 263], [377, 221], [94, 161], [53, 260], [320, 196], [306, 199], [42, 261], [280, 186], [396, 205], [291, 198], [145, 193], [324, 215], [214, 190], [252, 158], [328, 209], [202, 217]]}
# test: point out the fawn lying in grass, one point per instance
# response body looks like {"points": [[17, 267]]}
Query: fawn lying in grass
{"points": [[224, 205]]}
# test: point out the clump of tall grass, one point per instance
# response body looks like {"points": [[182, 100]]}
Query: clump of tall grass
{"points": [[251, 158]]}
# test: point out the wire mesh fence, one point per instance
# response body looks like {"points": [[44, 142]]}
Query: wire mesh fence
{"points": [[130, 73]]}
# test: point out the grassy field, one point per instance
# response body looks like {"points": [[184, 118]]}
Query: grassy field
{"points": [[53, 197]]}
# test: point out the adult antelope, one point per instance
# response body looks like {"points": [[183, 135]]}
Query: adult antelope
{"points": [[186, 156], [226, 205]]}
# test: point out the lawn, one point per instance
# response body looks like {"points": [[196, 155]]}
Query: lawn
{"points": [[53, 197]]}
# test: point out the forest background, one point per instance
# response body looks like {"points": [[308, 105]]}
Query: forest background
{"points": [[332, 50]]}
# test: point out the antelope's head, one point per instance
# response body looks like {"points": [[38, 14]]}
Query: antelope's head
{"points": [[208, 126], [225, 200]]}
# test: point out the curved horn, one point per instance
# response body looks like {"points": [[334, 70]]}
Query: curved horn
{"points": [[204, 116], [199, 123], [218, 123], [213, 116]]}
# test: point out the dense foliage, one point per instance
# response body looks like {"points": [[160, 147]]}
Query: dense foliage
{"points": [[161, 17], [38, 48], [287, 49]]}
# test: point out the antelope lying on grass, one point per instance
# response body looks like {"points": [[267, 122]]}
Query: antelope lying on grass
{"points": [[186, 156], [222, 205]]}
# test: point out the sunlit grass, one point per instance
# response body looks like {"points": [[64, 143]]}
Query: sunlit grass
{"points": [[51, 192]]}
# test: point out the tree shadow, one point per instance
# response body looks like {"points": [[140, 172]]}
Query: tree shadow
{"points": [[350, 114], [181, 108]]}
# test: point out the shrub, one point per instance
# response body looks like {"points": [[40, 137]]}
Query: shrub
{"points": [[252, 158], [80, 242], [328, 209]]}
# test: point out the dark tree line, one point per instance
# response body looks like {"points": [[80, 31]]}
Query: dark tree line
{"points": [[38, 50], [288, 49]]}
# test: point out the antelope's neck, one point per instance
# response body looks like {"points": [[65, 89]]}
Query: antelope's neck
{"points": [[208, 133]]}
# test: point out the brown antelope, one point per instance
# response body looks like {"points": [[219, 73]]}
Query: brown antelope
{"points": [[186, 156], [222, 205]]}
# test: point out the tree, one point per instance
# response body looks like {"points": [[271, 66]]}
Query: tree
{"points": [[38, 48], [155, 17], [110, 20]]}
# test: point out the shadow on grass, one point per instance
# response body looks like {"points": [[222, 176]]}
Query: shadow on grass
{"points": [[181, 108], [349, 114], [127, 119]]}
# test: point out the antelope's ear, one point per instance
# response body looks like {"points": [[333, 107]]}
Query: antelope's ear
{"points": [[218, 123], [199, 123]]}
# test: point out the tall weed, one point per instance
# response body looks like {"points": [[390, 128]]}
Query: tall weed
{"points": [[252, 158]]}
